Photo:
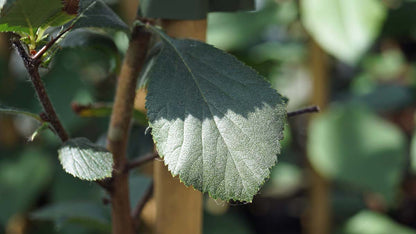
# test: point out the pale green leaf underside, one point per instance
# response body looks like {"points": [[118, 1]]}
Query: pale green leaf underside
{"points": [[28, 15], [216, 122], [81, 158], [14, 111], [345, 28], [97, 14]]}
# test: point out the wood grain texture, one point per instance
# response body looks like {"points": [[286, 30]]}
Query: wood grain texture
{"points": [[178, 208]]}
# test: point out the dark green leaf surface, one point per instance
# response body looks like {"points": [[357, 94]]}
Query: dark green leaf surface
{"points": [[354, 146], [216, 122], [28, 15], [81, 158], [344, 28], [95, 13]]}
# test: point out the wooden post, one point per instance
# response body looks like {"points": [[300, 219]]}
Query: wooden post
{"points": [[129, 10], [319, 211], [178, 208]]}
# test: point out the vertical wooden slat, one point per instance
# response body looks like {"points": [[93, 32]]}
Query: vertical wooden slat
{"points": [[178, 208], [319, 212], [128, 10]]}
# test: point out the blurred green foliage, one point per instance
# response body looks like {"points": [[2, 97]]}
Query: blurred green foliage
{"points": [[364, 141]]}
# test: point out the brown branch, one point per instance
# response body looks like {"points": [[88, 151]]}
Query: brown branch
{"points": [[312, 109], [137, 211], [141, 161], [120, 126], [45, 48], [32, 66]]}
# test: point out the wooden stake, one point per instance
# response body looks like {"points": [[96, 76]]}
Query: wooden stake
{"points": [[319, 212], [178, 208]]}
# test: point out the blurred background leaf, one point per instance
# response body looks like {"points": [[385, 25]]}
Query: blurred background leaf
{"points": [[345, 28], [352, 145], [373, 223]]}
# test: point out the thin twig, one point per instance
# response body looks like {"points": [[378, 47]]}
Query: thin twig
{"points": [[312, 109], [141, 161], [32, 66], [45, 48], [140, 205]]}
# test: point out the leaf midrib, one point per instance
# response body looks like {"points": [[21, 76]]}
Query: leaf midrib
{"points": [[205, 100]]}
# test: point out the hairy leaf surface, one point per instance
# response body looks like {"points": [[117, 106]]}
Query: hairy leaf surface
{"points": [[216, 122], [83, 159]]}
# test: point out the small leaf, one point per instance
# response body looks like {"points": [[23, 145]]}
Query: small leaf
{"points": [[28, 15], [345, 28], [14, 111], [85, 160], [216, 122], [95, 13]]}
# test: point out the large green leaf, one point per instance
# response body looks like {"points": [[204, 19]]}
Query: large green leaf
{"points": [[216, 122], [28, 15], [95, 13], [345, 28], [370, 222], [81, 158], [352, 145]]}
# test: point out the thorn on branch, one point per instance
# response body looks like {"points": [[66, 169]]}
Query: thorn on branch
{"points": [[141, 161], [312, 109], [37, 57]]}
